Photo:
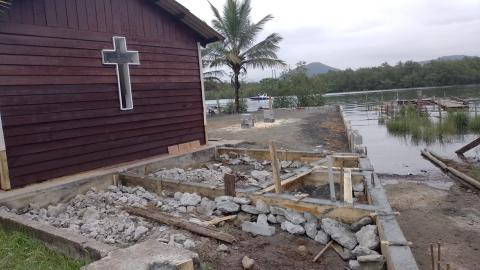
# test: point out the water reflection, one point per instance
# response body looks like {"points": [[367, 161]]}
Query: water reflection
{"points": [[393, 154]]}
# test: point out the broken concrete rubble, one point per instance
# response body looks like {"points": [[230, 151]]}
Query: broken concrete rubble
{"points": [[292, 228], [367, 237], [339, 232]]}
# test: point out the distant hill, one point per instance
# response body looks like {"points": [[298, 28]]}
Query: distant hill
{"points": [[316, 68], [447, 58]]}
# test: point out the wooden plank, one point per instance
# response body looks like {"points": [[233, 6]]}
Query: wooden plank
{"points": [[229, 184], [288, 181], [347, 186], [160, 217], [275, 167], [217, 220], [4, 172], [468, 147]]}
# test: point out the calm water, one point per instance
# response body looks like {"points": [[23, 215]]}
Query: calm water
{"points": [[390, 154], [398, 155]]}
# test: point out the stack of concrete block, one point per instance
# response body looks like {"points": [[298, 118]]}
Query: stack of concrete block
{"points": [[268, 116], [247, 121]]}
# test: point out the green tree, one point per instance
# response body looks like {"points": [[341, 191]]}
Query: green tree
{"points": [[239, 51]]}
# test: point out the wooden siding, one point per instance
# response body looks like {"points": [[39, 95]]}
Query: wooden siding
{"points": [[59, 104]]}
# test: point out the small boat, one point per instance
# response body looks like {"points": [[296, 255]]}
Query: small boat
{"points": [[260, 97]]}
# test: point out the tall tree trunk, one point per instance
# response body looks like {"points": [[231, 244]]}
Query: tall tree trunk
{"points": [[237, 92]]}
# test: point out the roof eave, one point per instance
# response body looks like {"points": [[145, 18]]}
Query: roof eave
{"points": [[184, 15]]}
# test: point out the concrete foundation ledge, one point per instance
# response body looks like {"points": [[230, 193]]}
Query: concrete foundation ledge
{"points": [[148, 255], [61, 241]]}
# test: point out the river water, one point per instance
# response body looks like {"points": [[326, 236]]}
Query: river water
{"points": [[391, 154], [399, 155]]}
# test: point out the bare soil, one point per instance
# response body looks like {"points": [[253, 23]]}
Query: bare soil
{"points": [[431, 215], [276, 252], [303, 130]]}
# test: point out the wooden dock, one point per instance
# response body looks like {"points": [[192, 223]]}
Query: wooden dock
{"points": [[445, 103], [451, 103]]}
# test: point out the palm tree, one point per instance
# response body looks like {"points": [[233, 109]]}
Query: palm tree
{"points": [[239, 51]]}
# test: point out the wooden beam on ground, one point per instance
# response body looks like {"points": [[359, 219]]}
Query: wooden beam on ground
{"points": [[217, 220], [275, 167], [157, 216], [229, 184], [468, 147], [465, 178], [288, 181], [347, 186], [322, 251]]}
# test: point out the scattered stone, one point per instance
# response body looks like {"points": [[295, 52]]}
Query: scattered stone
{"points": [[139, 232], [359, 187], [344, 253], [222, 248], [322, 237], [292, 228], [159, 204], [363, 251], [188, 199], [191, 209], [356, 226], [189, 244], [371, 262], [311, 229], [177, 195], [275, 210], [295, 217], [206, 207], [242, 200], [280, 219], [368, 237], [302, 251], [354, 265], [272, 219], [223, 199], [54, 211], [310, 218], [258, 229], [339, 232], [262, 219], [261, 175], [247, 263], [250, 209], [262, 207], [182, 209], [228, 207]]}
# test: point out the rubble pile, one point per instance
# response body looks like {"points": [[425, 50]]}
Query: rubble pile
{"points": [[258, 173]]}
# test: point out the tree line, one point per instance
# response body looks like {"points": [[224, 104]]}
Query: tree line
{"points": [[402, 75]]}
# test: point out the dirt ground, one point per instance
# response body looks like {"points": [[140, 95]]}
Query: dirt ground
{"points": [[433, 207], [429, 214], [303, 129], [276, 252]]}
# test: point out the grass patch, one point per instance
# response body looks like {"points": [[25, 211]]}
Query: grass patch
{"points": [[20, 252], [421, 128]]}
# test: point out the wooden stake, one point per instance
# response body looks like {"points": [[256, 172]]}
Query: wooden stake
{"points": [[229, 184], [439, 257], [330, 178], [347, 186], [160, 217], [275, 168], [323, 251], [342, 173], [432, 256]]}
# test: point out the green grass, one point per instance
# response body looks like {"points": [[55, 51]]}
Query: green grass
{"points": [[421, 128], [20, 252]]}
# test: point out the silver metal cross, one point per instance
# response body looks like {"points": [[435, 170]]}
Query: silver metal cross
{"points": [[122, 59]]}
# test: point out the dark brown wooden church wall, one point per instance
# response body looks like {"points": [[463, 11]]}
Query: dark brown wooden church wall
{"points": [[59, 104]]}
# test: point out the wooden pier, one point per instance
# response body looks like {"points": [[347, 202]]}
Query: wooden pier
{"points": [[448, 103]]}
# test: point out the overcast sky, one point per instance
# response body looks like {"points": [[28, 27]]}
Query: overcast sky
{"points": [[360, 33]]}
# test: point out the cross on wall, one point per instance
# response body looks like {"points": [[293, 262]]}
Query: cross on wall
{"points": [[122, 59]]}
